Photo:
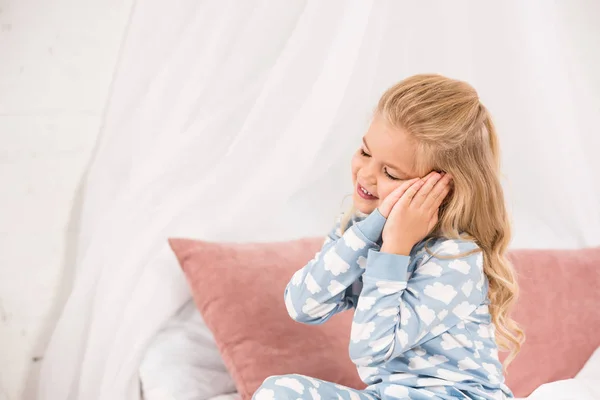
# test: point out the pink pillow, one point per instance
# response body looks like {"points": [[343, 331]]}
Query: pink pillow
{"points": [[559, 309], [239, 291]]}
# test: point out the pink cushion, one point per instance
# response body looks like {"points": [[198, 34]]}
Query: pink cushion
{"points": [[239, 291], [559, 308]]}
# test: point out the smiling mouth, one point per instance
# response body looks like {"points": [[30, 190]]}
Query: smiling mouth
{"points": [[364, 193]]}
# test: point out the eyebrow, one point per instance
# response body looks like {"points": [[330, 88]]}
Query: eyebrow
{"points": [[391, 165]]}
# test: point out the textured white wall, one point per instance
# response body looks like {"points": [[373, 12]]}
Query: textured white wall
{"points": [[56, 64]]}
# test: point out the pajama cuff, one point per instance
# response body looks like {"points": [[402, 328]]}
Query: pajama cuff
{"points": [[387, 266], [372, 226]]}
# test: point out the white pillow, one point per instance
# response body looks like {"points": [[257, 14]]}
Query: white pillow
{"points": [[183, 362]]}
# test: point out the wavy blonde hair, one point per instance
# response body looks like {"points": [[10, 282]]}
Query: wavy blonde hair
{"points": [[454, 132]]}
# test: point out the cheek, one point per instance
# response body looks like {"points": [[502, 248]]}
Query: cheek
{"points": [[386, 187], [355, 166]]}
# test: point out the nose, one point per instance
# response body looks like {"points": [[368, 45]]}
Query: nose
{"points": [[367, 175]]}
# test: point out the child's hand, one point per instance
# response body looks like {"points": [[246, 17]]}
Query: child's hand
{"points": [[386, 205], [415, 214]]}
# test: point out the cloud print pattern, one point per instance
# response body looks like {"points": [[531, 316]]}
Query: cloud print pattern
{"points": [[324, 286], [421, 326]]}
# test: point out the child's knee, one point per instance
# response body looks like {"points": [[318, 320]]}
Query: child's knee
{"points": [[279, 387]]}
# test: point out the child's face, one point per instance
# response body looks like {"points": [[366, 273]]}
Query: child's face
{"points": [[384, 160]]}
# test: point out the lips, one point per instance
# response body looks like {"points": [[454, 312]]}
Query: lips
{"points": [[364, 193]]}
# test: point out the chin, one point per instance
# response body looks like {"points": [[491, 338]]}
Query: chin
{"points": [[360, 205]]}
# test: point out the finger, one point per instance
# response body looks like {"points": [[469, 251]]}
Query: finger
{"points": [[432, 173], [438, 194], [411, 192], [392, 198], [421, 196]]}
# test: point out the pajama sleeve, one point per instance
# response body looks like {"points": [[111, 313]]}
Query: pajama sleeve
{"points": [[323, 287], [395, 313]]}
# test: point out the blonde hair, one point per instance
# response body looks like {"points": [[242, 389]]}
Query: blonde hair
{"points": [[454, 133]]}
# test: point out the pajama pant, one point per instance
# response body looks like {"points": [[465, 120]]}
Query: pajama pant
{"points": [[295, 387]]}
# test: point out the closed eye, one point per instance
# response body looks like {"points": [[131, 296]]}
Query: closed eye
{"points": [[390, 176], [364, 154]]}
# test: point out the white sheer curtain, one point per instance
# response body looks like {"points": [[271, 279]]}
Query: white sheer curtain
{"points": [[236, 120]]}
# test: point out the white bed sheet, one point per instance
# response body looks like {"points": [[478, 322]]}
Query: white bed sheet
{"points": [[585, 386], [182, 361]]}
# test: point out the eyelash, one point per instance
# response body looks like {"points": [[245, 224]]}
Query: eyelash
{"points": [[391, 177], [364, 154]]}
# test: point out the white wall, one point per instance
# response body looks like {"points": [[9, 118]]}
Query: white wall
{"points": [[56, 64]]}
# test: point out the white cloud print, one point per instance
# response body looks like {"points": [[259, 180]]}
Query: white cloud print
{"points": [[419, 351], [460, 266], [353, 241], [297, 278], [482, 310], [313, 381], [314, 394], [290, 383], [362, 262], [484, 331], [380, 344], [265, 394], [464, 340], [404, 314], [400, 376], [396, 391], [429, 268], [311, 284], [388, 312], [418, 362], [463, 309], [467, 288], [390, 287], [402, 338], [480, 282], [335, 288], [353, 395], [490, 368], [437, 359], [367, 372], [314, 309], [289, 304], [439, 329], [453, 376], [441, 292], [431, 382], [334, 263], [467, 363], [425, 313], [450, 247], [449, 342], [365, 303], [361, 332]]}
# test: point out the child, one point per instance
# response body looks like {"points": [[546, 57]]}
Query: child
{"points": [[421, 256]]}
